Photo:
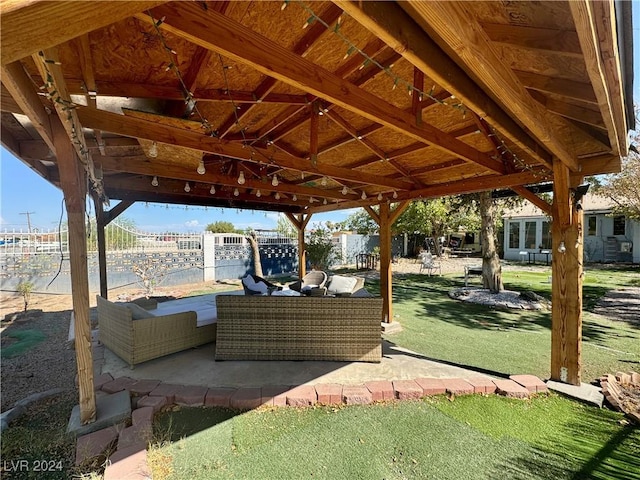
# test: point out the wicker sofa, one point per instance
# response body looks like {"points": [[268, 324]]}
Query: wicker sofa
{"points": [[142, 339], [299, 328]]}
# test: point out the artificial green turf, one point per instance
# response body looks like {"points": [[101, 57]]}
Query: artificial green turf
{"points": [[475, 437], [25, 340], [509, 342]]}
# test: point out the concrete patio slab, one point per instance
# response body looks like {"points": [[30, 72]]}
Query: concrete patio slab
{"points": [[585, 392]]}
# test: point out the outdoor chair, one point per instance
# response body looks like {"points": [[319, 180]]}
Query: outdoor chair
{"points": [[429, 264], [315, 279], [255, 285]]}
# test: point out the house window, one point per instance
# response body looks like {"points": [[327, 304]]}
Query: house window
{"points": [[530, 235], [514, 234], [591, 225], [546, 235], [618, 225]]}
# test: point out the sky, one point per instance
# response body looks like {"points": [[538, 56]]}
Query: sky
{"points": [[23, 191]]}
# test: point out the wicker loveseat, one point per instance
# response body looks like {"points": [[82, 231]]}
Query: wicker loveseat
{"points": [[142, 339], [299, 328]]}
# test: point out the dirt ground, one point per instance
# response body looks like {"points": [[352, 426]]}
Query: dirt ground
{"points": [[51, 363]]}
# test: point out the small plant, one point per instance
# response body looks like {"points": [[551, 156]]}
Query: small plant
{"points": [[25, 288], [320, 249], [151, 275]]}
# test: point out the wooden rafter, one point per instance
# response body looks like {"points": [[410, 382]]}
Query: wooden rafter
{"points": [[459, 34], [48, 65], [535, 38], [86, 65], [576, 113], [233, 40], [533, 198], [398, 29], [608, 91], [558, 86], [312, 34], [156, 131]]}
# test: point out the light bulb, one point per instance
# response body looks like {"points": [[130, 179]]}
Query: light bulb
{"points": [[277, 196], [562, 248], [323, 182], [395, 194], [154, 181], [274, 181], [345, 190], [241, 179], [153, 150], [379, 196], [311, 199], [201, 170], [363, 196], [258, 194], [295, 197], [324, 202], [212, 190], [236, 192], [187, 187]]}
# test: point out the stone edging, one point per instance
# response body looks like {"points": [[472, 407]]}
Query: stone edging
{"points": [[150, 396], [613, 391]]}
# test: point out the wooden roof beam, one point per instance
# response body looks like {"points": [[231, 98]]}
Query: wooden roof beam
{"points": [[469, 185], [460, 35], [227, 37], [156, 131], [596, 29], [571, 111], [399, 30], [28, 27]]}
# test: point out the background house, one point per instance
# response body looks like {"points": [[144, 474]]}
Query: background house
{"points": [[607, 237]]}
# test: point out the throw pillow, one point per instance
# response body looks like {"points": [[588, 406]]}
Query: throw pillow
{"points": [[137, 312], [340, 284], [254, 286]]}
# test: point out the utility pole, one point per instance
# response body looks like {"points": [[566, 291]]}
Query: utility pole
{"points": [[28, 214]]}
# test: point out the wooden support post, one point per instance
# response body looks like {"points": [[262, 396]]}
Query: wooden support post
{"points": [[566, 294], [74, 186], [385, 263], [300, 222], [102, 249]]}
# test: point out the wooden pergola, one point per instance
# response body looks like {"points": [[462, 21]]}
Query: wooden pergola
{"points": [[306, 107]]}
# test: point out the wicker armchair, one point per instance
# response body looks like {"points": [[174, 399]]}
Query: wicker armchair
{"points": [[315, 278], [271, 287]]}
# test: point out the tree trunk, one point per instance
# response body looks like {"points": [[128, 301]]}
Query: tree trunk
{"points": [[491, 268], [257, 264]]}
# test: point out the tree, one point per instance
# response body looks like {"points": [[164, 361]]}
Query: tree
{"points": [[221, 227], [491, 268], [439, 216], [252, 237], [320, 249], [285, 228], [360, 222], [623, 188]]}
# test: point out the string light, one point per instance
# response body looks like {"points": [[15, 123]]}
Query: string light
{"points": [[324, 202], [311, 199], [154, 181], [212, 190], [277, 196], [363, 196], [258, 193], [395, 194], [236, 192], [274, 180], [345, 190], [379, 196], [323, 182], [241, 178], [153, 150], [201, 170], [294, 198], [187, 187]]}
